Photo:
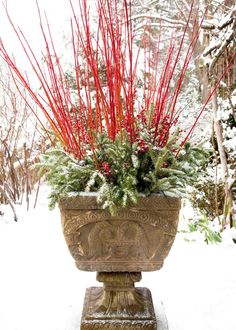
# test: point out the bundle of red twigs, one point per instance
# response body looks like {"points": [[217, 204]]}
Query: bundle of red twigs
{"points": [[106, 101]]}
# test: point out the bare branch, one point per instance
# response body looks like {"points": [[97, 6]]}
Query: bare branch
{"points": [[229, 37], [160, 18], [149, 24], [186, 4], [232, 106], [3, 192]]}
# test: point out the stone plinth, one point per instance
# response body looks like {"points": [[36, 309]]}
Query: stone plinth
{"points": [[118, 304]]}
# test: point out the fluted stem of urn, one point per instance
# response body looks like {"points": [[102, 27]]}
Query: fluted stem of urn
{"points": [[118, 295]]}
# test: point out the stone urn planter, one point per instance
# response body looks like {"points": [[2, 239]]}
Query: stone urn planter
{"points": [[119, 248]]}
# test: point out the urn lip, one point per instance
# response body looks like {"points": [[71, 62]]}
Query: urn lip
{"points": [[88, 200]]}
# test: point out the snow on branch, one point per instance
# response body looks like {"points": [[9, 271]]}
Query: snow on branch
{"points": [[223, 34], [160, 18], [151, 24], [227, 20], [207, 25]]}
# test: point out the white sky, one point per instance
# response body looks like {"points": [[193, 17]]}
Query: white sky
{"points": [[24, 14]]}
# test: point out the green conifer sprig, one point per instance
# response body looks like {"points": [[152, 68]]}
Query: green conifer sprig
{"points": [[122, 172]]}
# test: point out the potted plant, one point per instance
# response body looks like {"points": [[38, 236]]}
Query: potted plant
{"points": [[121, 160]]}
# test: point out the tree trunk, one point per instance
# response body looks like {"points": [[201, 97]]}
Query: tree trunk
{"points": [[228, 198]]}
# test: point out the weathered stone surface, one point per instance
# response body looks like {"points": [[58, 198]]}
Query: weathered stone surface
{"points": [[118, 305], [136, 239], [89, 201]]}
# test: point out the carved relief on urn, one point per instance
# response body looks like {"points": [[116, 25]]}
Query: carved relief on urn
{"points": [[136, 239]]}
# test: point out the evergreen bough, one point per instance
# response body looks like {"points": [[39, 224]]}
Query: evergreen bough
{"points": [[122, 171]]}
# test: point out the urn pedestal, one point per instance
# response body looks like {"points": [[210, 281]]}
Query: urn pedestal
{"points": [[118, 304], [119, 248]]}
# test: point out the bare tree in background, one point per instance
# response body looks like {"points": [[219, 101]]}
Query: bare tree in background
{"points": [[220, 54], [21, 142]]}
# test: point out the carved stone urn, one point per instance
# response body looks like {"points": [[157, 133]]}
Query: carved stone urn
{"points": [[119, 248]]}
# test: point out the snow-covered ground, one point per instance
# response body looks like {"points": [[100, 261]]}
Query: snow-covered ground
{"points": [[41, 289]]}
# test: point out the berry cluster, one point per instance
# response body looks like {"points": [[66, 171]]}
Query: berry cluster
{"points": [[106, 170], [142, 146]]}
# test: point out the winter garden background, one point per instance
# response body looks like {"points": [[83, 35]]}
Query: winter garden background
{"points": [[203, 258]]}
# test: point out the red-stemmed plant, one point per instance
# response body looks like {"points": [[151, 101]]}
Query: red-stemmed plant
{"points": [[108, 112]]}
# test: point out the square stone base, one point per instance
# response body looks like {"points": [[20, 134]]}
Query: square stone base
{"points": [[131, 310]]}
